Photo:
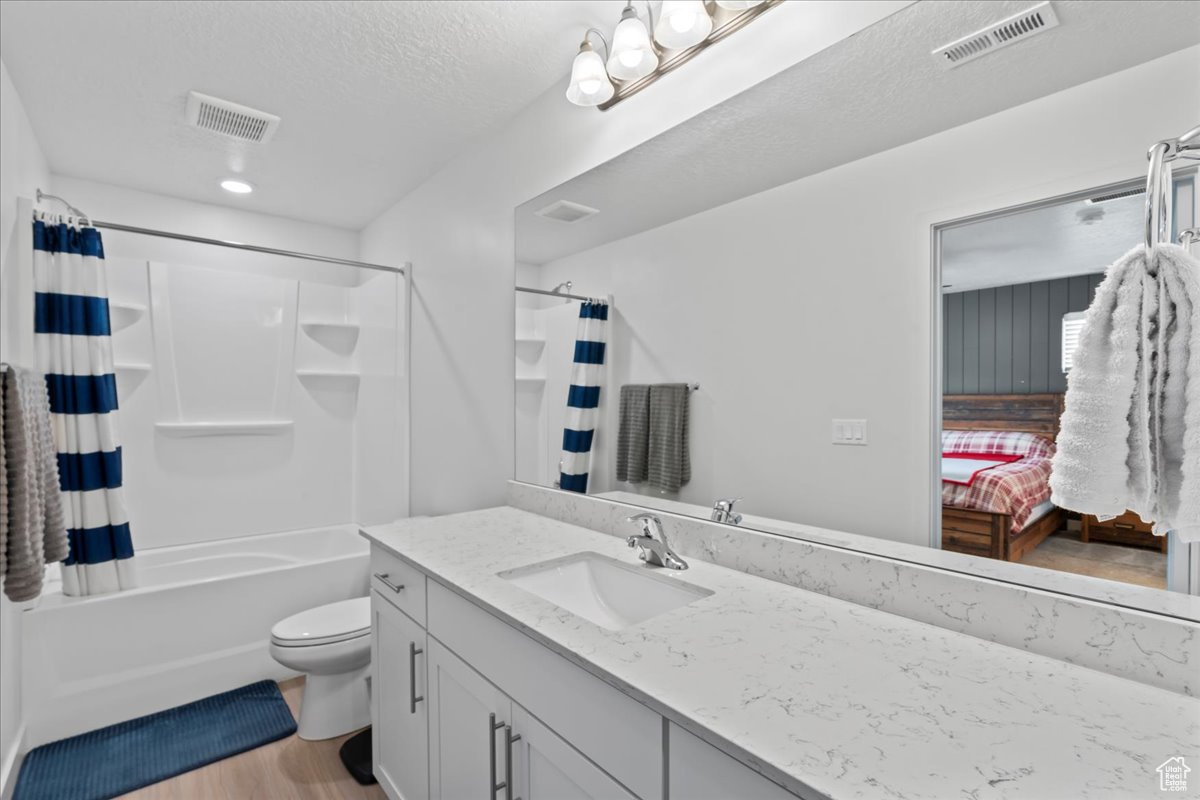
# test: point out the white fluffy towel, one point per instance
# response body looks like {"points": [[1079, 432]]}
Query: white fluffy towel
{"points": [[1130, 436]]}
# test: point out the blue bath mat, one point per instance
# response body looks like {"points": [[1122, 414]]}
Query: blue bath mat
{"points": [[129, 755]]}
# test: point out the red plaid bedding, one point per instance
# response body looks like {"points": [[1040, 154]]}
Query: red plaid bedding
{"points": [[1015, 489]]}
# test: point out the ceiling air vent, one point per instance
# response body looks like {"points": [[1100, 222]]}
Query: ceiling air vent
{"points": [[1104, 198], [566, 211], [1014, 29], [230, 119]]}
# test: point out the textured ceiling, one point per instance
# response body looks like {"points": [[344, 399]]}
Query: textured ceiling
{"points": [[1040, 244], [374, 96], [871, 92]]}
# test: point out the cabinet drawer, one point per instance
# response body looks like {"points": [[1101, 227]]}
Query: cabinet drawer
{"points": [[399, 583], [1129, 521], [618, 734]]}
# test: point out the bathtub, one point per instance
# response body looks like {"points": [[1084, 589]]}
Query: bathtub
{"points": [[198, 623]]}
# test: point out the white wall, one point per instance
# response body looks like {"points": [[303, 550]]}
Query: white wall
{"points": [[457, 230], [23, 169], [812, 300], [224, 338]]}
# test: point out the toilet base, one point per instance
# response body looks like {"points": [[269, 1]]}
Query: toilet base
{"points": [[334, 705]]}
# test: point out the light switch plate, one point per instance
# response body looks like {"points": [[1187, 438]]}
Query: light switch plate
{"points": [[850, 431]]}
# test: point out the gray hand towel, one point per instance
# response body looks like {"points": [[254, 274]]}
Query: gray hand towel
{"points": [[35, 529], [633, 433], [670, 464]]}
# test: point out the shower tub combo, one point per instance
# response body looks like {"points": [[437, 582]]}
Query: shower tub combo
{"points": [[198, 623]]}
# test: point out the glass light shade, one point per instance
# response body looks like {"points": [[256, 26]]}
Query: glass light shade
{"points": [[682, 23], [236, 186], [633, 56], [738, 5], [589, 84]]}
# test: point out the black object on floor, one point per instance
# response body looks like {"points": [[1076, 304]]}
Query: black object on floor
{"points": [[356, 755]]}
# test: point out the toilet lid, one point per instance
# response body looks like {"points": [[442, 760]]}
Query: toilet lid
{"points": [[335, 622]]}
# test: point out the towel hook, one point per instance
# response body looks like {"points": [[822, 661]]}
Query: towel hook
{"points": [[1159, 184], [1158, 187]]}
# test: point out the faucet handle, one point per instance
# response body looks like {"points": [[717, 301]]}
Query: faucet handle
{"points": [[651, 524]]}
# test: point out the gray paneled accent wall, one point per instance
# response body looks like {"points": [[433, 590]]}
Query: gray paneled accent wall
{"points": [[1008, 339]]}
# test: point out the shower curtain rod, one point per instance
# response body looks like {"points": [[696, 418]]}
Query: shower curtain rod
{"points": [[183, 237], [113, 226], [549, 293]]}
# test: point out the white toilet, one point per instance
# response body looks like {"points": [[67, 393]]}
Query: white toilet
{"points": [[331, 645]]}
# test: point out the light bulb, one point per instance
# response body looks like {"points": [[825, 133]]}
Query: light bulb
{"points": [[682, 24], [589, 84], [682, 21], [633, 55]]}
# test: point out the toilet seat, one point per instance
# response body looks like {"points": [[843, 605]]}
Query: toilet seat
{"points": [[327, 624]]}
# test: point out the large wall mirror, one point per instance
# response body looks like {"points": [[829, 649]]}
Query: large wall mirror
{"points": [[808, 300]]}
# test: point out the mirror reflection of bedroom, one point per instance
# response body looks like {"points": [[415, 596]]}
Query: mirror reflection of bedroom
{"points": [[1014, 288]]}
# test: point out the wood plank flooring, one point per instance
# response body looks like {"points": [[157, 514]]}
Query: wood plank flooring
{"points": [[1065, 552], [289, 769]]}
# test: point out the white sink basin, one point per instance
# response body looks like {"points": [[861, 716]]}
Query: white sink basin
{"points": [[603, 590]]}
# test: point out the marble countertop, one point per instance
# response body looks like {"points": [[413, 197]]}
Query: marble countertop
{"points": [[1156, 601], [823, 696]]}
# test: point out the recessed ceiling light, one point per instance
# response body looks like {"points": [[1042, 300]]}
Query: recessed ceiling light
{"points": [[237, 187]]}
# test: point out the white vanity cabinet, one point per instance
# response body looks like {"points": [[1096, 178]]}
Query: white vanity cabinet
{"points": [[467, 720], [545, 767], [479, 737], [399, 707], [466, 701]]}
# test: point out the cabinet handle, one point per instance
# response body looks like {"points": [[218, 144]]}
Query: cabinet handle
{"points": [[1128, 526], [395, 587], [493, 726], [413, 652], [508, 776]]}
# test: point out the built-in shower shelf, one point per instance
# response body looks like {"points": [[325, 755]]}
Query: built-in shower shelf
{"points": [[261, 427], [329, 376], [530, 380], [122, 315], [133, 369], [337, 336], [528, 346]]}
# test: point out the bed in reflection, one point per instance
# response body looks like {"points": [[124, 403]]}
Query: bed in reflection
{"points": [[996, 451]]}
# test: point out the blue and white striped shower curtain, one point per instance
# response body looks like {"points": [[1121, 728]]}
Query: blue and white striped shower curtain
{"points": [[583, 398], [74, 349]]}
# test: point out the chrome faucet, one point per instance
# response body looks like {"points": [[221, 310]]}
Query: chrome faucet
{"points": [[723, 511], [652, 543]]}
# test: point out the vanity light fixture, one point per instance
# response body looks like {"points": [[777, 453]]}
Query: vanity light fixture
{"points": [[633, 54], [682, 24], [236, 186], [635, 58], [590, 84]]}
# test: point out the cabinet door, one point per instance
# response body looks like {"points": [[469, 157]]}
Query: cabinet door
{"points": [[466, 745], [699, 771], [547, 768], [400, 732]]}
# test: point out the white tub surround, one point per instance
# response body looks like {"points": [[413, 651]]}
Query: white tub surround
{"points": [[823, 697], [1161, 649], [198, 624]]}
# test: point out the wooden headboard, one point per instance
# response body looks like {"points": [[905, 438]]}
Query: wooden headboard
{"points": [[1031, 413]]}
